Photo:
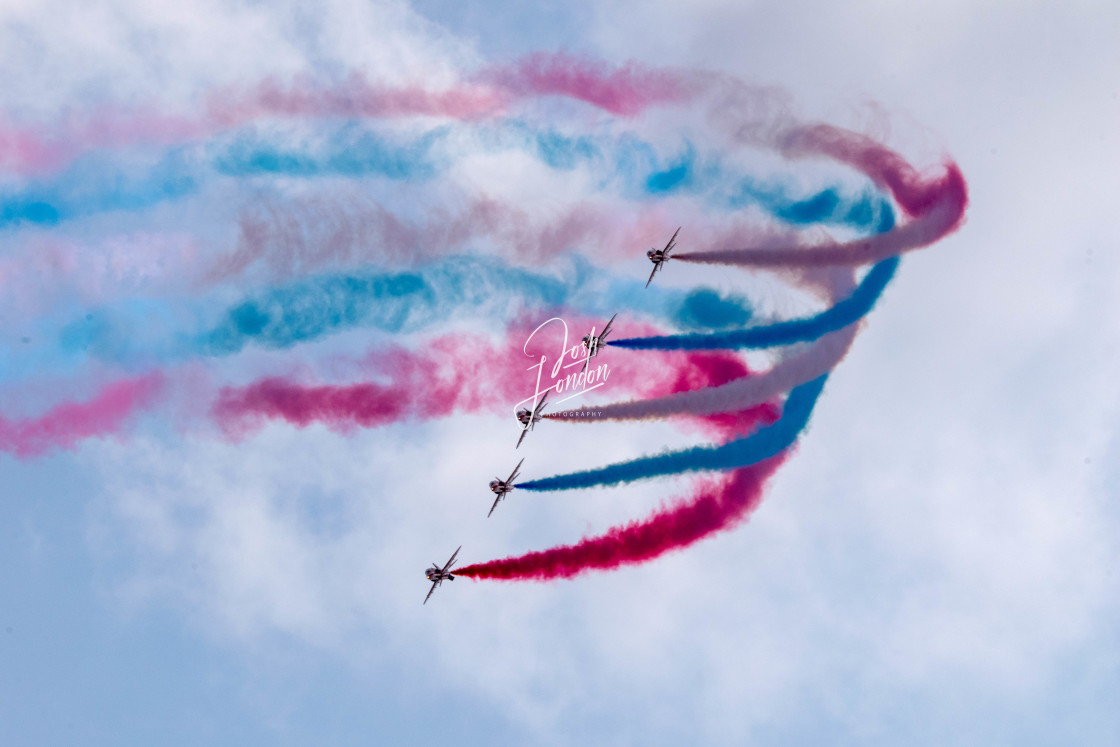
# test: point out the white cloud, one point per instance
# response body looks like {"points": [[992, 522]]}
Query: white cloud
{"points": [[939, 535], [148, 53]]}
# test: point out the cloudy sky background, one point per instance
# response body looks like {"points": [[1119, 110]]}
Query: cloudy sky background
{"points": [[937, 563]]}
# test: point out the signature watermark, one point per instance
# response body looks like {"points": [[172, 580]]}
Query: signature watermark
{"points": [[573, 373]]}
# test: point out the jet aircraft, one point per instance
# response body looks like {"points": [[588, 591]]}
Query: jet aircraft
{"points": [[438, 575], [593, 342], [661, 256], [501, 488], [528, 418]]}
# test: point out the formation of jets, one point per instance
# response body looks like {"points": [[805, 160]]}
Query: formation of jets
{"points": [[529, 418]]}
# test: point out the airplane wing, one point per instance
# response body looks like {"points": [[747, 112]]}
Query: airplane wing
{"points": [[495, 504], [606, 330], [656, 267], [532, 419], [434, 585], [453, 556], [513, 475], [540, 406], [591, 346], [665, 251]]}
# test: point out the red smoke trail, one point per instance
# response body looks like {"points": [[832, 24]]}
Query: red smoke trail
{"points": [[717, 505], [458, 373], [66, 424]]}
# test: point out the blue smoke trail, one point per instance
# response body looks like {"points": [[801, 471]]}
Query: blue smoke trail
{"points": [[95, 184], [868, 211], [705, 309], [840, 315], [139, 332], [397, 302], [411, 301], [743, 452], [349, 151], [91, 186], [687, 174], [560, 152], [641, 172]]}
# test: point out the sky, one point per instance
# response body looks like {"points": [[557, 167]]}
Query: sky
{"points": [[933, 561]]}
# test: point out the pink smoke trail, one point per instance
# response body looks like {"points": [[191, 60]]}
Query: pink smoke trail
{"points": [[66, 424], [32, 150], [626, 91], [454, 374], [357, 97], [451, 375], [916, 194]]}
